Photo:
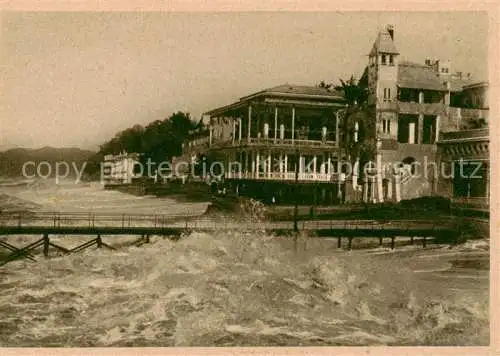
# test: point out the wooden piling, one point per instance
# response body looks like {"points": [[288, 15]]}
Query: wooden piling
{"points": [[98, 241], [46, 244], [349, 245], [393, 242], [339, 242], [424, 242], [146, 239], [380, 240]]}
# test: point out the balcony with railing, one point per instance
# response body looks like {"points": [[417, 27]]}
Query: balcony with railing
{"points": [[288, 142], [467, 113], [465, 135], [260, 141], [421, 108], [285, 176]]}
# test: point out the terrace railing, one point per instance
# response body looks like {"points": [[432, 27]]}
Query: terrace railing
{"points": [[286, 176]]}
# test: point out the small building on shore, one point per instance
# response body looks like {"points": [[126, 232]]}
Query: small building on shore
{"points": [[120, 168]]}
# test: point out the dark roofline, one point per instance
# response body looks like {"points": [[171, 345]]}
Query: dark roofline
{"points": [[269, 93], [292, 95], [478, 84]]}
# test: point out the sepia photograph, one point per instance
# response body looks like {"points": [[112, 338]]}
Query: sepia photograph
{"points": [[244, 179]]}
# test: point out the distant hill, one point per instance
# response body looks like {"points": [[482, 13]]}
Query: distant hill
{"points": [[12, 161]]}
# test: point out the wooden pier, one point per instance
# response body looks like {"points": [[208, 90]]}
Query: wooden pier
{"points": [[172, 226]]}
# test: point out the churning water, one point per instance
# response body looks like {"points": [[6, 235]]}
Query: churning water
{"points": [[244, 289]]}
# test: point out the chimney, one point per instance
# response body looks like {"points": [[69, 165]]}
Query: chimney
{"points": [[390, 29]]}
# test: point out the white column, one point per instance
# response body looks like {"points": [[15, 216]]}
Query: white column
{"points": [[301, 166], [257, 165], [293, 123], [239, 128], [286, 164], [372, 195], [337, 133], [438, 119], [240, 164], [397, 185], [269, 166], [411, 132], [275, 123], [210, 134], [355, 174], [389, 188], [266, 130], [234, 129], [379, 178], [365, 190], [314, 164], [249, 120], [329, 164], [281, 163], [420, 97], [339, 175], [252, 164], [420, 129], [459, 118]]}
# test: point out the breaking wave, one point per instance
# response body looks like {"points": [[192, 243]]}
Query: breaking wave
{"points": [[230, 289]]}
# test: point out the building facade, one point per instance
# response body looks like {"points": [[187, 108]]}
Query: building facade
{"points": [[120, 168], [288, 135], [415, 105], [274, 138]]}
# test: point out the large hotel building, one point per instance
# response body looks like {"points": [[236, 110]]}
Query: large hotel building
{"points": [[290, 134]]}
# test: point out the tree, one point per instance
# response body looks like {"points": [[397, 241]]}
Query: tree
{"points": [[160, 140], [360, 114], [354, 93]]}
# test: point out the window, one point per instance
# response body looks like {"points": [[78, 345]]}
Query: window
{"points": [[429, 130], [387, 94], [384, 59], [407, 132], [391, 60], [386, 126]]}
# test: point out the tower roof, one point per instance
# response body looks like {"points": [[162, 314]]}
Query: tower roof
{"points": [[384, 44]]}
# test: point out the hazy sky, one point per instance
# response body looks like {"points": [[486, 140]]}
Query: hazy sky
{"points": [[75, 79]]}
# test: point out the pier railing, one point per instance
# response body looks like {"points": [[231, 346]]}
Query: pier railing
{"points": [[90, 219], [97, 225], [182, 221]]}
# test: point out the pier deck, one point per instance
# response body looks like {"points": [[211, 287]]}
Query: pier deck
{"points": [[98, 225]]}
